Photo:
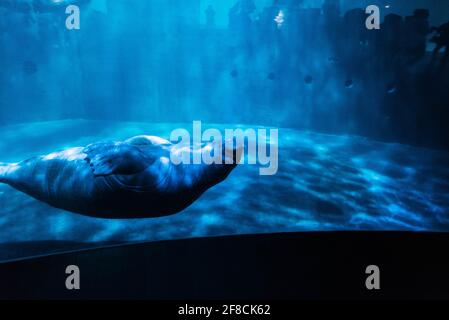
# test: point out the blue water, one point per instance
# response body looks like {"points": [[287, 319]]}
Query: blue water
{"points": [[362, 116], [324, 183]]}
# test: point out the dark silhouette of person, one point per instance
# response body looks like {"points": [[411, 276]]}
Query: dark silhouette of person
{"points": [[354, 25], [352, 48], [240, 14], [417, 29], [267, 16], [332, 21], [210, 16], [331, 10], [390, 42], [441, 39], [241, 26]]}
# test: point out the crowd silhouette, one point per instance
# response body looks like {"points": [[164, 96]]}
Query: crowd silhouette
{"points": [[324, 51], [404, 39], [441, 40], [283, 64]]}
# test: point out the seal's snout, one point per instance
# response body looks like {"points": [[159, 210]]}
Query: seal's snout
{"points": [[232, 151]]}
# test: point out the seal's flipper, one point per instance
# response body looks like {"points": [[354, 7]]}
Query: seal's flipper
{"points": [[116, 158]]}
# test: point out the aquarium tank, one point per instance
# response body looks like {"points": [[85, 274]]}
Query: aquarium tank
{"points": [[349, 110]]}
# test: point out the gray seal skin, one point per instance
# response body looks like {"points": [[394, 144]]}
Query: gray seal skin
{"points": [[130, 179]]}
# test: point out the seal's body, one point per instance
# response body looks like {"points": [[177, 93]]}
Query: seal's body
{"points": [[130, 179]]}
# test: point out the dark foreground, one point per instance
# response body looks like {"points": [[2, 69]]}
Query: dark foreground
{"points": [[318, 265]]}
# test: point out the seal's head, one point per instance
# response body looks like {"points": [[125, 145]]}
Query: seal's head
{"points": [[218, 166]]}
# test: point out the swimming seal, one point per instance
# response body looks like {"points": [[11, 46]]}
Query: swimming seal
{"points": [[130, 179]]}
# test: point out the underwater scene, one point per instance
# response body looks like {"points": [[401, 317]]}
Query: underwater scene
{"points": [[351, 117]]}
